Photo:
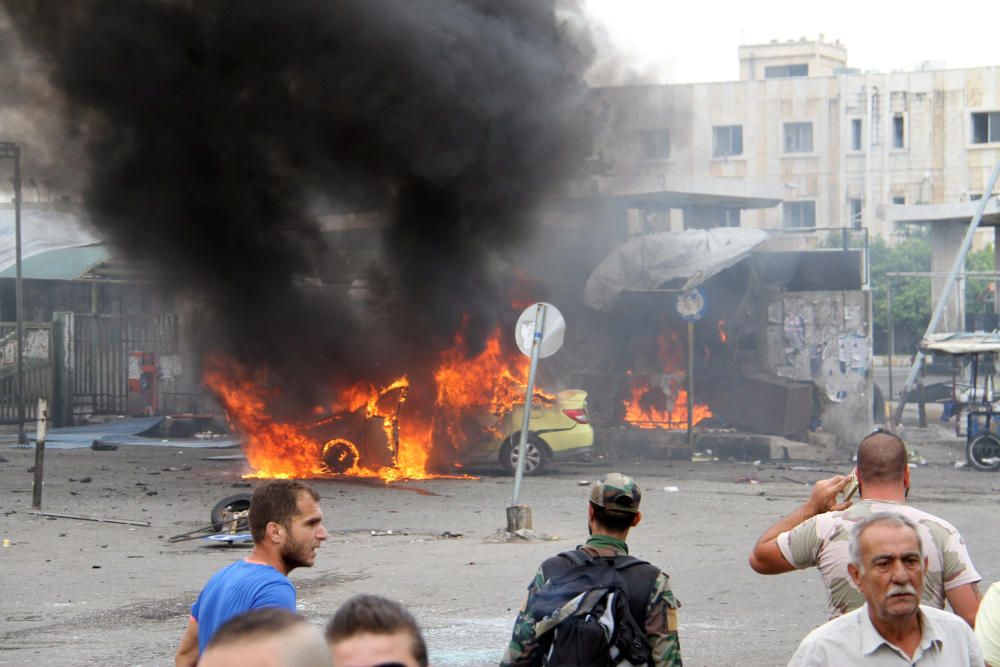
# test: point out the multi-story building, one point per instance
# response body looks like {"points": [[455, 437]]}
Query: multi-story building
{"points": [[847, 148]]}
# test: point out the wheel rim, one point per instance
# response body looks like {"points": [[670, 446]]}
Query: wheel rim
{"points": [[229, 513], [532, 456], [985, 452]]}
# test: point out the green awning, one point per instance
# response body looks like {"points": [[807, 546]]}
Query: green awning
{"points": [[61, 263]]}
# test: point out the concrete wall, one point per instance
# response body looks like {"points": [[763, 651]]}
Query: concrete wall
{"points": [[938, 163], [823, 337]]}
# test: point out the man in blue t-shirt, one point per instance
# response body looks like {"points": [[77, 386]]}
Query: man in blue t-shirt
{"points": [[287, 527]]}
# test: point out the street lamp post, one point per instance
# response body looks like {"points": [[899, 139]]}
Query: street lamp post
{"points": [[11, 151]]}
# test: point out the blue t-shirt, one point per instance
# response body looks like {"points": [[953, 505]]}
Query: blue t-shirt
{"points": [[235, 589]]}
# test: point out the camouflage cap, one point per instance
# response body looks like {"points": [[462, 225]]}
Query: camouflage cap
{"points": [[616, 492]]}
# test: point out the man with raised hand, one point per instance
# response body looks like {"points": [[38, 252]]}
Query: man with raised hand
{"points": [[816, 533]]}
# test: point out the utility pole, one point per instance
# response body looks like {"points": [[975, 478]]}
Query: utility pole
{"points": [[12, 151]]}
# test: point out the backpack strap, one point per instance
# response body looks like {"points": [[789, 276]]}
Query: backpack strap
{"points": [[563, 563], [639, 577]]}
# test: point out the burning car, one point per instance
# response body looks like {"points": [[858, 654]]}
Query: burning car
{"points": [[558, 429], [468, 411]]}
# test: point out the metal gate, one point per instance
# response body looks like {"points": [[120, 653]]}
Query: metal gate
{"points": [[101, 347], [38, 368]]}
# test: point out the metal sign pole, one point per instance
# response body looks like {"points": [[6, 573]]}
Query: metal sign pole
{"points": [[690, 383], [536, 342], [949, 284]]}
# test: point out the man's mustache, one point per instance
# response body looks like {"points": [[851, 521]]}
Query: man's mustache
{"points": [[904, 589]]}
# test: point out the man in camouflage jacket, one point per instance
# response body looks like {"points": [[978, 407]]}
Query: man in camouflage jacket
{"points": [[613, 510], [816, 534]]}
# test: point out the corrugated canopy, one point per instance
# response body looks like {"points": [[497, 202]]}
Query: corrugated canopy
{"points": [[680, 260], [962, 342], [60, 264]]}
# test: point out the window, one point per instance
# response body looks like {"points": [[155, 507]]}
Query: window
{"points": [[655, 144], [782, 71], [986, 127], [798, 137], [899, 200], [727, 140], [855, 134], [730, 217], [798, 214], [855, 213], [898, 136], [976, 196]]}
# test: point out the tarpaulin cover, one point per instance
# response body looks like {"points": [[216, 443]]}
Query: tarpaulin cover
{"points": [[680, 260], [127, 432], [962, 342]]}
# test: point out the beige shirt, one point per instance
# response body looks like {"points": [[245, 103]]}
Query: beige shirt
{"points": [[945, 641], [988, 625], [821, 541]]}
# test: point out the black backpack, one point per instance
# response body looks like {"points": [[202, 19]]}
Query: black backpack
{"points": [[592, 610]]}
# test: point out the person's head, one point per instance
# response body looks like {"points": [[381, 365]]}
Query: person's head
{"points": [[372, 631], [285, 518], [269, 637], [882, 461], [887, 564], [614, 505]]}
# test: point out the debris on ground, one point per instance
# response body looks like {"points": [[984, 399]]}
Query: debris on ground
{"points": [[82, 517], [672, 489], [521, 535]]}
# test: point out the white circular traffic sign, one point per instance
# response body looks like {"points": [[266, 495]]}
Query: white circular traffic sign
{"points": [[552, 332], [690, 305]]}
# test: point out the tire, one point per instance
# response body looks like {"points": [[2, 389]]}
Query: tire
{"points": [[535, 460], [339, 456], [225, 508], [983, 452]]}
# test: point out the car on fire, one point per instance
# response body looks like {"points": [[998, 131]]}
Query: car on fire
{"points": [[558, 430]]}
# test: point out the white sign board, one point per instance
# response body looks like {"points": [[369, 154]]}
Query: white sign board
{"points": [[552, 334]]}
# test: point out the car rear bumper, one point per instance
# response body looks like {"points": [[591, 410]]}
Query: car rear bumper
{"points": [[570, 444]]}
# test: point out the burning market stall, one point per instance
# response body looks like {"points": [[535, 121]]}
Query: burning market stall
{"points": [[771, 353]]}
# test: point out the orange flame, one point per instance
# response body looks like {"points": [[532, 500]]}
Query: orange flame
{"points": [[492, 381], [664, 408], [651, 407]]}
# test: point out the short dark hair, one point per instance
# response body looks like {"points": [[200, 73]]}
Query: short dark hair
{"points": [[374, 614], [881, 457], [613, 520], [888, 518], [277, 500], [256, 623]]}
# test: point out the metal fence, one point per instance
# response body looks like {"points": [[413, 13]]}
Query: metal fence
{"points": [[38, 369], [101, 348]]}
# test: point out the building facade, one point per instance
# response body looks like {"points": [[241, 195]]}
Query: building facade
{"points": [[846, 147]]}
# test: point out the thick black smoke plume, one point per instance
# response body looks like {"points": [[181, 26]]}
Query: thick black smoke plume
{"points": [[216, 126]]}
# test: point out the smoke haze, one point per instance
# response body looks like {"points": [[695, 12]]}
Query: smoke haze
{"points": [[212, 128]]}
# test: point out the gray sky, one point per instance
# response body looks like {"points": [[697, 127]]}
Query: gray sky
{"points": [[691, 41]]}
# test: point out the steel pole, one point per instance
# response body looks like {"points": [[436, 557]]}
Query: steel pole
{"points": [[690, 384], [19, 296], [949, 285], [892, 329], [536, 345]]}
